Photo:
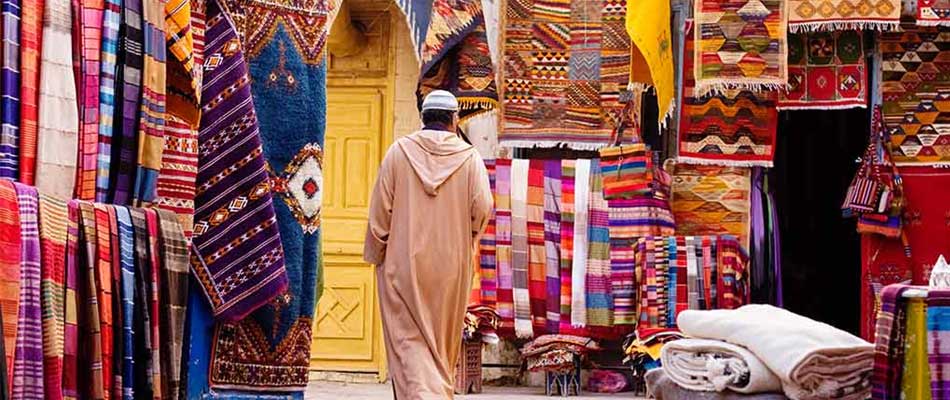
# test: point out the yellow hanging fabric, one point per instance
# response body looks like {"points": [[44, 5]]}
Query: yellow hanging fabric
{"points": [[915, 384], [651, 58]]}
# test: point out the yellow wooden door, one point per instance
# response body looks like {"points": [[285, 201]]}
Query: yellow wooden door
{"points": [[347, 333]]}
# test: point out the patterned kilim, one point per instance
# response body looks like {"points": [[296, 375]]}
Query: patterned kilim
{"points": [[449, 23], [90, 363], [235, 223], [27, 380], [827, 70], [567, 243], [486, 250], [10, 267], [537, 264], [103, 285], [176, 181], [111, 19], [503, 245], [565, 74], [740, 44], [599, 297], [129, 74], [519, 247], [709, 200], [938, 335], [183, 77], [889, 343], [916, 90], [283, 42], [467, 71], [552, 243], [58, 115], [151, 130], [841, 15], [90, 57], [173, 294], [933, 12], [735, 127], [31, 30], [10, 82], [127, 296], [52, 225]]}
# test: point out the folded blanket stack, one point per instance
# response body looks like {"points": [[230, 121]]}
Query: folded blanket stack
{"points": [[714, 366], [661, 387], [811, 359], [556, 353]]}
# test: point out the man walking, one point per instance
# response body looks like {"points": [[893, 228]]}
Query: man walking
{"points": [[431, 201]]}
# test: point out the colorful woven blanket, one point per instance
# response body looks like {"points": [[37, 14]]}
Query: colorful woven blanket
{"points": [[52, 225], [175, 185], [173, 294], [582, 195], [842, 15], [31, 27], [503, 246], [916, 95], [10, 82], [10, 267], [740, 44], [651, 61], [710, 200], [938, 335], [151, 134], [28, 361], [537, 276], [129, 73], [733, 127], [933, 13], [127, 308], [566, 72], [552, 243], [622, 279], [449, 23], [520, 252], [486, 249], [599, 297], [567, 243], [111, 20], [827, 70], [889, 343]]}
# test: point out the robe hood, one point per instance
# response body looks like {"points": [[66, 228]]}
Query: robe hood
{"points": [[435, 156]]}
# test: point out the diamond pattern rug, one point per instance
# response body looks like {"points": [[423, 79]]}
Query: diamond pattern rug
{"points": [[831, 15], [933, 12], [712, 200], [827, 70], [916, 90]]}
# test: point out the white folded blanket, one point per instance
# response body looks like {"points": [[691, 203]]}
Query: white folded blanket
{"points": [[813, 360], [714, 365]]}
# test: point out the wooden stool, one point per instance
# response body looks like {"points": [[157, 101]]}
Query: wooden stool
{"points": [[468, 369], [564, 384]]}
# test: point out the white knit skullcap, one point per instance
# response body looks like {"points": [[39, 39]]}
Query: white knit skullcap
{"points": [[440, 100]]}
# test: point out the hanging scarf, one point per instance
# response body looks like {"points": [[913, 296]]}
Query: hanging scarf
{"points": [[173, 296], [733, 289], [142, 316], [90, 55], [58, 137], [155, 309], [651, 60], [503, 248], [31, 27], [74, 251], [599, 300], [10, 80], [623, 236], [129, 74], [151, 135], [28, 361], [537, 286], [52, 226], [115, 283], [127, 294], [486, 250], [10, 263], [938, 334], [233, 191], [775, 242], [552, 242], [175, 187], [103, 285], [582, 176], [91, 377], [566, 244], [107, 86], [889, 343], [519, 247]]}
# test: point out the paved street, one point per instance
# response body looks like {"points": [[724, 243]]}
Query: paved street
{"points": [[359, 391]]}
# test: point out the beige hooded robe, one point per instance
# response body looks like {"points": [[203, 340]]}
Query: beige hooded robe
{"points": [[431, 200]]}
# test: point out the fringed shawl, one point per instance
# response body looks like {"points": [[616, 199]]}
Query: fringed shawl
{"points": [[503, 245], [52, 225], [28, 361], [519, 247], [599, 300], [552, 242], [10, 265]]}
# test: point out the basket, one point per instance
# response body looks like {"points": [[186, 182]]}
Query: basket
{"points": [[468, 368]]}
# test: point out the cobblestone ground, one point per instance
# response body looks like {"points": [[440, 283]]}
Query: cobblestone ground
{"points": [[365, 391]]}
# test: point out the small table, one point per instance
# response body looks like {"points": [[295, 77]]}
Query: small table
{"points": [[564, 383]]}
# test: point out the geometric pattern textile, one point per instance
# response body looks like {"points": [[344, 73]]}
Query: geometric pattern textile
{"points": [[733, 127], [827, 70], [841, 15], [740, 44], [933, 12], [712, 200], [916, 91], [565, 74]]}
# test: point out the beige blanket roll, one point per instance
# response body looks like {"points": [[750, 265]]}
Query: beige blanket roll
{"points": [[714, 366]]}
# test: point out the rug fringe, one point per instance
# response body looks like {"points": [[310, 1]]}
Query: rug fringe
{"points": [[718, 87], [546, 144], [933, 22], [723, 163], [806, 27], [933, 164], [821, 107]]}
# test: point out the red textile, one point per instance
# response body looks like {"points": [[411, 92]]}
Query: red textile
{"points": [[31, 29], [9, 268], [927, 224]]}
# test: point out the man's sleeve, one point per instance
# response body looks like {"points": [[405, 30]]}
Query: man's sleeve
{"points": [[380, 214]]}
